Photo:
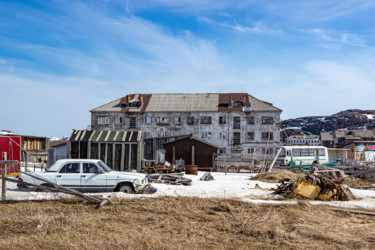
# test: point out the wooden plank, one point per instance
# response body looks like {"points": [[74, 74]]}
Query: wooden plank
{"points": [[3, 177]]}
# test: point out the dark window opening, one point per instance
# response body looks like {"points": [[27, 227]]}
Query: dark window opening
{"points": [[133, 122], [222, 119], [266, 136], [206, 120], [236, 122], [236, 138], [190, 120]]}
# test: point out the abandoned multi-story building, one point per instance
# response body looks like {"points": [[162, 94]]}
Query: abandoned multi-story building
{"points": [[234, 122]]}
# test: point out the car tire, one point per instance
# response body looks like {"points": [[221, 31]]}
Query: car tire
{"points": [[126, 188]]}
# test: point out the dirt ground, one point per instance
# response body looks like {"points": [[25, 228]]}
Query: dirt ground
{"points": [[180, 223]]}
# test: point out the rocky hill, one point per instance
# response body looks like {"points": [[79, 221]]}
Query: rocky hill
{"points": [[350, 119]]}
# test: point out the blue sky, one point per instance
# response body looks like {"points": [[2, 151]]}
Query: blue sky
{"points": [[60, 59]]}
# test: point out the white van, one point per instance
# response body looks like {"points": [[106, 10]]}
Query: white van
{"points": [[302, 155]]}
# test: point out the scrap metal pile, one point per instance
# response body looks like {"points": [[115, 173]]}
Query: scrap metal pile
{"points": [[315, 187]]}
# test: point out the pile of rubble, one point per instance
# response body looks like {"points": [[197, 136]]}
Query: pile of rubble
{"points": [[315, 187]]}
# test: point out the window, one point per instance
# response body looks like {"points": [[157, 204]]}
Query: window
{"points": [[236, 122], [89, 168], [267, 151], [222, 135], [206, 120], [146, 120], [103, 120], [250, 120], [237, 104], [266, 136], [222, 119], [250, 136], [162, 120], [70, 168], [267, 120], [133, 122], [250, 150], [236, 138], [190, 120], [118, 120], [206, 135], [178, 120]]}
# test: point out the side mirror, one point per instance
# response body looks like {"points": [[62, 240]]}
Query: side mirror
{"points": [[100, 171]]}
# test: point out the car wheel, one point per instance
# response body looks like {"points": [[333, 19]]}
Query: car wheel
{"points": [[126, 188]]}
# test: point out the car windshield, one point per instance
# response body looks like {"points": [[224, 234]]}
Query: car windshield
{"points": [[104, 166], [51, 167]]}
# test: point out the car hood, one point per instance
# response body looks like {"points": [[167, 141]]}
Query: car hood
{"points": [[139, 175]]}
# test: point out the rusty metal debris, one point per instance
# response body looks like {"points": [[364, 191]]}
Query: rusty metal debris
{"points": [[315, 187]]}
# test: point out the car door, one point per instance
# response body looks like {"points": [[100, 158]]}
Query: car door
{"points": [[92, 179], [69, 176]]}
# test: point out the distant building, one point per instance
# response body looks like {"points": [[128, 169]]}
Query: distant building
{"points": [[233, 122], [343, 137], [326, 139], [311, 140]]}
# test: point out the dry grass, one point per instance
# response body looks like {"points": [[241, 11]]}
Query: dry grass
{"points": [[180, 223], [358, 183], [275, 177]]}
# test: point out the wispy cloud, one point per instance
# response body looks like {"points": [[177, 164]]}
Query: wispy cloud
{"points": [[336, 37]]}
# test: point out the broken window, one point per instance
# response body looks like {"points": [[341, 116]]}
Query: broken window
{"points": [[206, 135], [133, 122], [118, 120], [222, 119], [178, 120], [103, 120], [190, 120], [250, 150], [250, 136], [237, 104], [134, 104], [163, 120], [266, 136], [236, 138], [222, 135], [267, 151], [267, 120], [147, 120], [250, 120], [206, 120], [236, 122]]}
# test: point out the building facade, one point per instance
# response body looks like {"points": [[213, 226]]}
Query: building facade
{"points": [[310, 140], [234, 122]]}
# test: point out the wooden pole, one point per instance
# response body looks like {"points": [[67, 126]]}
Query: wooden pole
{"points": [[3, 177]]}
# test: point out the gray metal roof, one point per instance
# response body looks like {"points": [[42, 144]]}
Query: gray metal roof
{"points": [[185, 103]]}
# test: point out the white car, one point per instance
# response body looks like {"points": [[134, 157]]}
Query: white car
{"points": [[86, 175]]}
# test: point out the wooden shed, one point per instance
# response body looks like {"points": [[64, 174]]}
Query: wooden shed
{"points": [[120, 150], [193, 151]]}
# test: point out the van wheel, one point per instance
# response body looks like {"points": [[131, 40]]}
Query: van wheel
{"points": [[126, 188]]}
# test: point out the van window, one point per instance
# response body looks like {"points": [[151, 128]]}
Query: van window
{"points": [[304, 151], [296, 152], [322, 152]]}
